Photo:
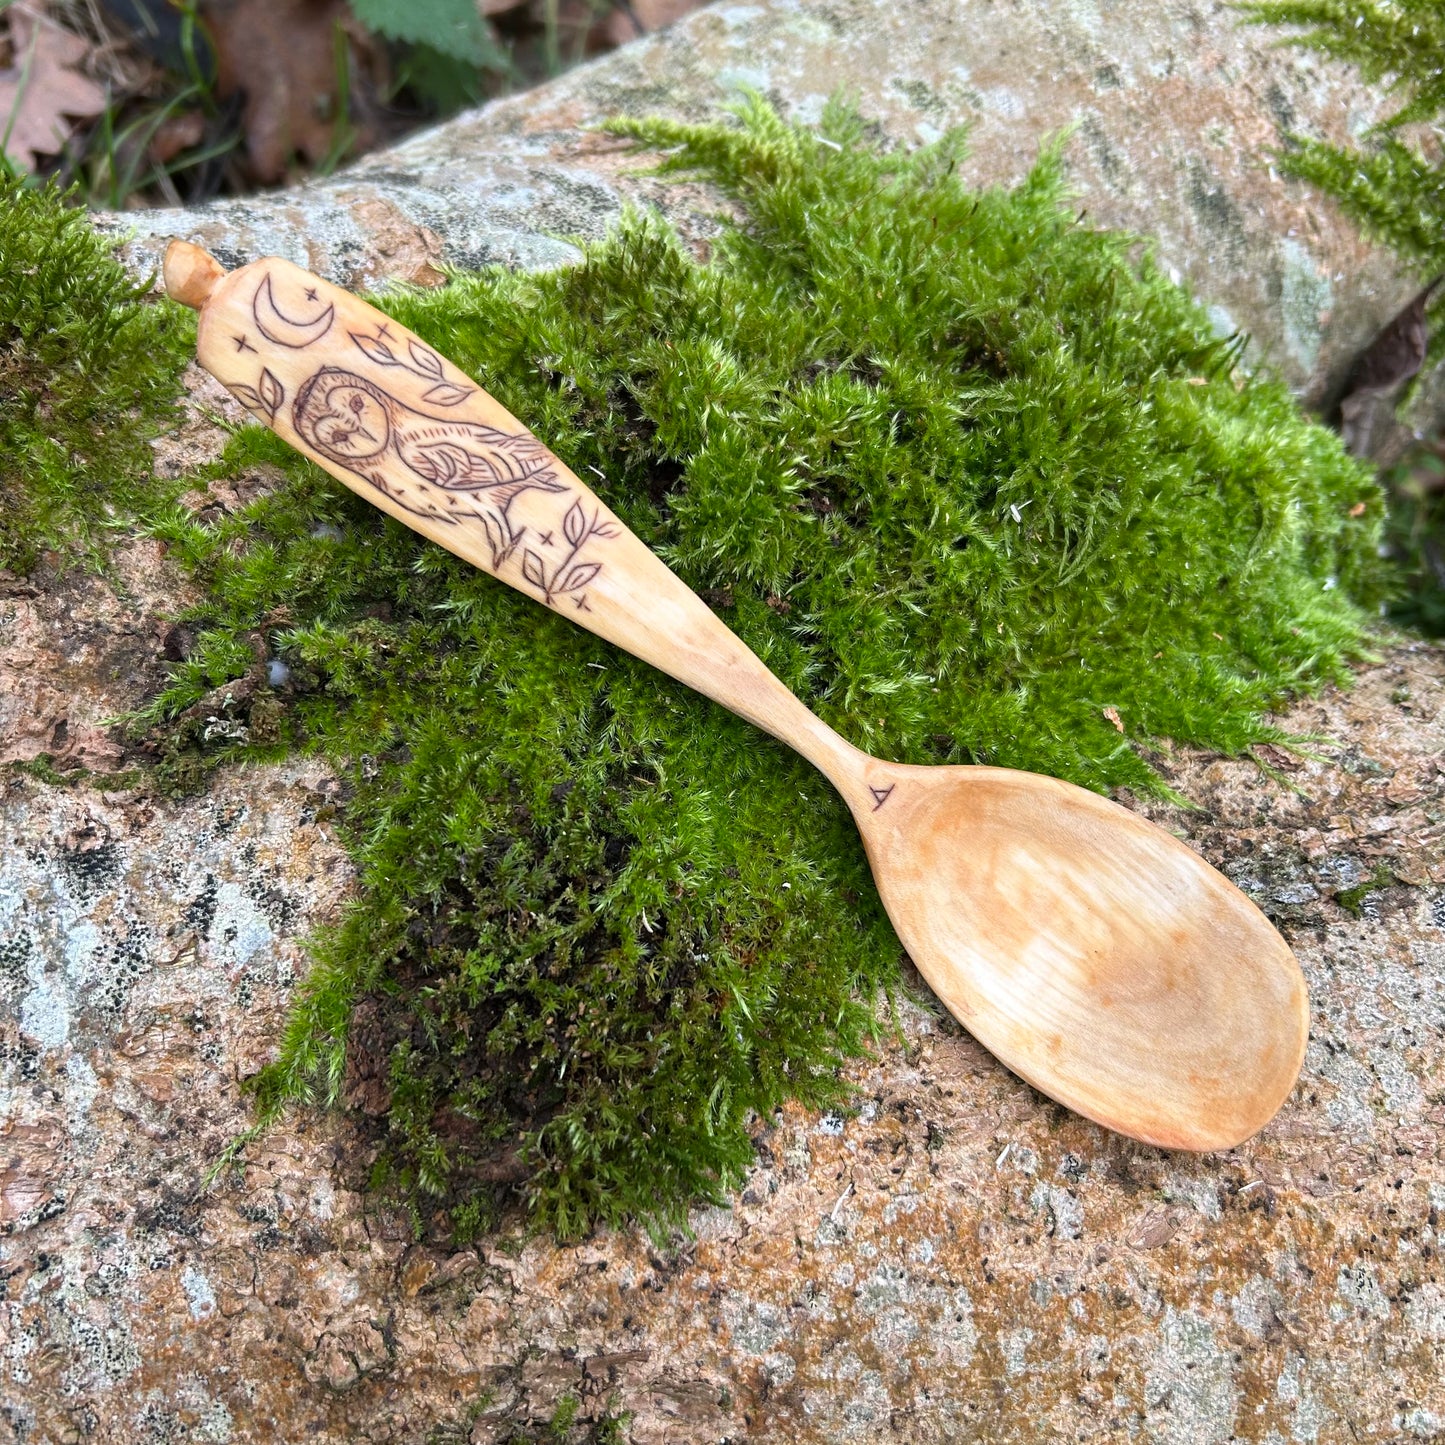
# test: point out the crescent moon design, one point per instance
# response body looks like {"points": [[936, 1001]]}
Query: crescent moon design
{"points": [[281, 329]]}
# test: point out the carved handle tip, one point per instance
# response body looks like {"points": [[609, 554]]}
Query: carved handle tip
{"points": [[190, 274]]}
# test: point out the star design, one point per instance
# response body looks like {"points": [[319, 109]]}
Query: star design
{"points": [[582, 604], [547, 540], [311, 293], [383, 330], [242, 344]]}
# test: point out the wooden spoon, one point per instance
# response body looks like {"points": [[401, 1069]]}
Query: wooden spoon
{"points": [[1094, 954]]}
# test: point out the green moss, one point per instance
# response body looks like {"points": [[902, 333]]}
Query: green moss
{"points": [[88, 375], [607, 1427], [42, 768], [977, 482], [1352, 900], [973, 479], [560, 1425]]}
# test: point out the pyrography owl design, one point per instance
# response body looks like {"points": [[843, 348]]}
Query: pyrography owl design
{"points": [[452, 469]]}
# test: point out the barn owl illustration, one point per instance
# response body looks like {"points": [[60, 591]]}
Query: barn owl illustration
{"points": [[453, 469]]}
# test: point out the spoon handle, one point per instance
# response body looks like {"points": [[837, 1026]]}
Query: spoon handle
{"points": [[403, 427]]}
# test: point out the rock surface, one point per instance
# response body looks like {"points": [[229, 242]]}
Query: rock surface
{"points": [[1175, 106], [956, 1259]]}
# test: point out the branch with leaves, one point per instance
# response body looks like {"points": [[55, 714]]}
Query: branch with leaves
{"points": [[569, 575], [265, 397], [1391, 186], [424, 363]]}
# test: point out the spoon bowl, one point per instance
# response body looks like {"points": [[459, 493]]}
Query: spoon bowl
{"points": [[1093, 953]]}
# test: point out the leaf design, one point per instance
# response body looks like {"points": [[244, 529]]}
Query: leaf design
{"points": [[272, 392], [495, 540], [533, 570], [426, 361], [574, 524], [248, 395], [376, 349], [580, 576], [447, 393]]}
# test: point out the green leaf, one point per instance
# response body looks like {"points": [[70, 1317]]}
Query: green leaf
{"points": [[451, 27]]}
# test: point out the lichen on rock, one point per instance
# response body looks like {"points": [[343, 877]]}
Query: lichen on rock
{"points": [[894, 1271]]}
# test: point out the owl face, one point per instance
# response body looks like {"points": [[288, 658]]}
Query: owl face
{"points": [[343, 417]]}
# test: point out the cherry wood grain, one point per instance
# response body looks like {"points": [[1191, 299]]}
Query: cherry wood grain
{"points": [[1093, 953]]}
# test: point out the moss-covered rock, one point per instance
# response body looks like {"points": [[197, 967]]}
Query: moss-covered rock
{"points": [[975, 479]]}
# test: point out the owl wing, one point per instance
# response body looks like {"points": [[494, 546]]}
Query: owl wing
{"points": [[469, 457]]}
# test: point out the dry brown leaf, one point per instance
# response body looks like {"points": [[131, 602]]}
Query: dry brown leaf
{"points": [[281, 55], [1274, 756], [1157, 1227], [626, 22], [1392, 358], [41, 93], [1112, 713], [175, 134]]}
